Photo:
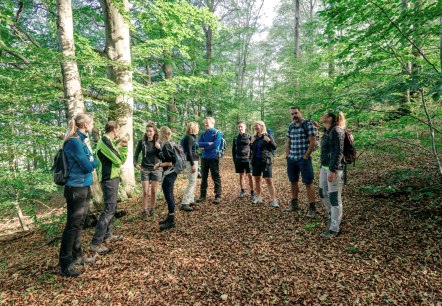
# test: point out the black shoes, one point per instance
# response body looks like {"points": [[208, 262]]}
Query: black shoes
{"points": [[216, 201], [167, 223]]}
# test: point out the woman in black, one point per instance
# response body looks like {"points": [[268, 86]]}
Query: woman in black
{"points": [[262, 146], [190, 148], [167, 157], [150, 149]]}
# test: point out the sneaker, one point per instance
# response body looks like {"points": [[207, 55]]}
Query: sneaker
{"points": [[294, 205], [274, 203], [201, 200], [152, 213], [186, 207], [144, 214], [216, 201], [242, 194], [168, 223], [114, 238], [252, 198], [311, 213], [257, 200], [100, 249], [329, 234], [70, 271]]}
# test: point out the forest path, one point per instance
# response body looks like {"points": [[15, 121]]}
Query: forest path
{"points": [[237, 253]]}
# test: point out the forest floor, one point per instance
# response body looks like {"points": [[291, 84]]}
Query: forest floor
{"points": [[389, 250]]}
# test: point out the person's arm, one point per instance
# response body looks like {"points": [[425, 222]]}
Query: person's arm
{"points": [[312, 140], [234, 148], [80, 156], [167, 157], [188, 143], [137, 152], [201, 143], [337, 149], [215, 144], [108, 150], [271, 143]]}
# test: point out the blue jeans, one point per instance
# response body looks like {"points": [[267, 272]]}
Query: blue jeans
{"points": [[77, 199], [103, 230], [167, 186], [303, 166]]}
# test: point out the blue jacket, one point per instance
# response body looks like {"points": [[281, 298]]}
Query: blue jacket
{"points": [[77, 154], [210, 135]]}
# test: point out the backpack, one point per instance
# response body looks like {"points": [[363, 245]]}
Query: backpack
{"points": [[221, 150], [270, 132], [60, 167], [349, 148], [180, 158]]}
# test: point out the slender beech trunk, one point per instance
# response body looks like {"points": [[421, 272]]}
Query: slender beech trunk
{"points": [[296, 49], [168, 75], [71, 78], [118, 51]]}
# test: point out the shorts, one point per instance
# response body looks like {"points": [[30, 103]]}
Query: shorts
{"points": [[151, 175], [294, 167], [262, 166], [242, 166]]}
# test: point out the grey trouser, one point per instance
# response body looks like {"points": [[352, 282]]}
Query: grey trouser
{"points": [[103, 229], [189, 193], [331, 197]]}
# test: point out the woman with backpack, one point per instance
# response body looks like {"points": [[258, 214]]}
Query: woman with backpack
{"points": [[167, 156], [331, 175], [262, 146], [77, 191], [150, 148], [190, 148]]}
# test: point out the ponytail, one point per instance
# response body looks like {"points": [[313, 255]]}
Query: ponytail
{"points": [[341, 121], [77, 122]]}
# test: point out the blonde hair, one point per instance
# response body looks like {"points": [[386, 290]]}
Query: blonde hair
{"points": [[165, 134], [261, 123], [211, 119], [191, 128], [79, 121], [341, 121]]}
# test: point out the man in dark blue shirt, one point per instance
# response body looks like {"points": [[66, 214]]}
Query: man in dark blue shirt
{"points": [[210, 142]]}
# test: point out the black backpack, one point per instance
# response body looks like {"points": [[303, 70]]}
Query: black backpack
{"points": [[350, 154], [60, 168]]}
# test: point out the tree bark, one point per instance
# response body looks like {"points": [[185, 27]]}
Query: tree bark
{"points": [[71, 78], [405, 102], [118, 51], [296, 50], [168, 75]]}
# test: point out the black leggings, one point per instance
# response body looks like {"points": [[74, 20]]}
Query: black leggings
{"points": [[167, 185]]}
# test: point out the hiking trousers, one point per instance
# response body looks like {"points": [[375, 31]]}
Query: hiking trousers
{"points": [[330, 194], [212, 165], [77, 199], [189, 193]]}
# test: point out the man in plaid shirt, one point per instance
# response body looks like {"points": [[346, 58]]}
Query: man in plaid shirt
{"points": [[299, 146]]}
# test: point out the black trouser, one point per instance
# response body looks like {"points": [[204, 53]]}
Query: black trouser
{"points": [[103, 230], [77, 199], [213, 165], [167, 186]]}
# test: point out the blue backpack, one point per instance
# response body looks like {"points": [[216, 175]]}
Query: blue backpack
{"points": [[222, 146], [270, 132]]}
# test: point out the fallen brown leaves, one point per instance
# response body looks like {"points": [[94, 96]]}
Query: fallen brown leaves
{"points": [[238, 254]]}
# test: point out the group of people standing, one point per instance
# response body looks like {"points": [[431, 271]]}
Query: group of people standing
{"points": [[253, 159]]}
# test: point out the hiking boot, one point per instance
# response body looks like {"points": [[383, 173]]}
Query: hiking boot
{"points": [[84, 260], [311, 213], [294, 205], [69, 271], [144, 214], [168, 223], [100, 249], [242, 194], [216, 201], [201, 200], [257, 200], [274, 203], [152, 213], [186, 207], [192, 204], [114, 238], [329, 234]]}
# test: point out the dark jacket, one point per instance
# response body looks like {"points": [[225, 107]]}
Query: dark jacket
{"points": [[337, 136], [266, 149], [78, 154], [242, 147], [149, 154], [167, 154], [190, 148], [325, 148]]}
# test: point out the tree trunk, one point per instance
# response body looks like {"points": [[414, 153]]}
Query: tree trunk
{"points": [[440, 43], [118, 50], [296, 50], [405, 101], [71, 78], [168, 75]]}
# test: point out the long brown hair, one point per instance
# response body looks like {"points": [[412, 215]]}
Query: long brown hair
{"points": [[151, 124], [79, 121]]}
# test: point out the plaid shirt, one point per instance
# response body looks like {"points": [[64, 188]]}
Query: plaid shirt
{"points": [[298, 139]]}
